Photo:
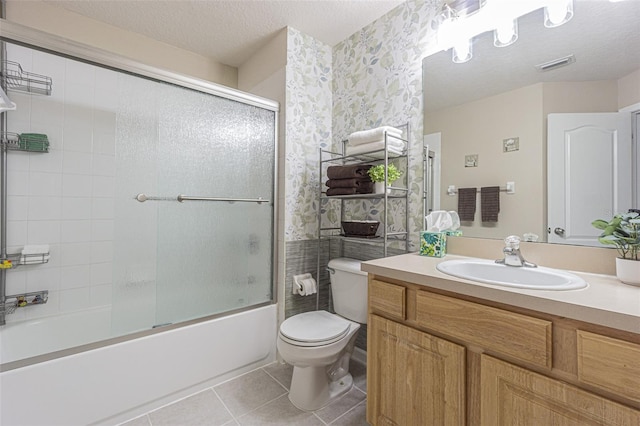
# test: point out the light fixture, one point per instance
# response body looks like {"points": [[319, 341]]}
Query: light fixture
{"points": [[557, 13], [456, 31]]}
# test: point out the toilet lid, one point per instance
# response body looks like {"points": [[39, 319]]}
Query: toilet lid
{"points": [[314, 327]]}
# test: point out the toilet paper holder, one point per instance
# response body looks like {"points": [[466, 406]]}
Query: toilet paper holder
{"points": [[298, 287]]}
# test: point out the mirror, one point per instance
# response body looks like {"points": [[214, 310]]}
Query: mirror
{"points": [[495, 107]]}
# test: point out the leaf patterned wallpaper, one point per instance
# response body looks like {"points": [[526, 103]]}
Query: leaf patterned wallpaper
{"points": [[371, 79], [308, 127]]}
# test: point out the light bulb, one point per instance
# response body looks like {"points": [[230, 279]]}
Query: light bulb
{"points": [[506, 33], [462, 51], [557, 13]]}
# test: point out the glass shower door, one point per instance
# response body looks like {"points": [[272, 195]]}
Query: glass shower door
{"points": [[213, 256]]}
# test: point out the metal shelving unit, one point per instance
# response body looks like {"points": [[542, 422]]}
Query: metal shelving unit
{"points": [[14, 78], [380, 156]]}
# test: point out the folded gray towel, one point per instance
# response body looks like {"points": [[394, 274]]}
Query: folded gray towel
{"points": [[349, 191], [348, 172], [467, 203], [490, 203], [349, 183]]}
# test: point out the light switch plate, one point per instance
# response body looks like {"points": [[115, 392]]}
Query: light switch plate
{"points": [[510, 144], [471, 160]]}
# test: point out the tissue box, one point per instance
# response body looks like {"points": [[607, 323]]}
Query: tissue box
{"points": [[456, 233], [433, 244]]}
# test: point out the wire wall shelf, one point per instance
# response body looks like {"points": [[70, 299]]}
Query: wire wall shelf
{"points": [[16, 301], [12, 261], [16, 79]]}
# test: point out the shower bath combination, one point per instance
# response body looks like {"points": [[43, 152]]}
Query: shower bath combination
{"points": [[155, 199]]}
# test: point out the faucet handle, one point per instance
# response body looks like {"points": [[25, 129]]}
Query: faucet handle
{"points": [[512, 241]]}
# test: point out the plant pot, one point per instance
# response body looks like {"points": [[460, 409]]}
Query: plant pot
{"points": [[628, 271], [378, 188]]}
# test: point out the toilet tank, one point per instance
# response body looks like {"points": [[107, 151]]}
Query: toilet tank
{"points": [[348, 289]]}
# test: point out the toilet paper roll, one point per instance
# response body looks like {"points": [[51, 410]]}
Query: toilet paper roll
{"points": [[308, 287]]}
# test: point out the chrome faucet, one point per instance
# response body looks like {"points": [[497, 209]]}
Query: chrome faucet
{"points": [[512, 255]]}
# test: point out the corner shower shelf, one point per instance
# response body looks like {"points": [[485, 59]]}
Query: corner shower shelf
{"points": [[19, 259], [16, 301], [16, 79], [12, 141]]}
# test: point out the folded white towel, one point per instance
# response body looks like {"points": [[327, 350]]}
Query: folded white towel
{"points": [[379, 145], [372, 135], [36, 249]]}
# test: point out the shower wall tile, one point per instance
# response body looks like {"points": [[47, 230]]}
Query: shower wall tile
{"points": [[44, 279], [102, 230], [78, 163], [76, 208], [45, 208], [75, 254], [73, 186], [75, 231], [17, 207], [45, 184], [64, 198], [74, 276], [19, 162], [50, 162], [75, 299], [101, 273], [42, 232], [18, 233], [17, 183], [16, 282]]}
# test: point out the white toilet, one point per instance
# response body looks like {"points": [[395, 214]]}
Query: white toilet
{"points": [[319, 344]]}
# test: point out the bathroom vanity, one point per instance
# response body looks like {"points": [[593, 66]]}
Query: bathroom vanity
{"points": [[448, 351]]}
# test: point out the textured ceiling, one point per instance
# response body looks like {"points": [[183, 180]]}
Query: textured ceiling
{"points": [[231, 31]]}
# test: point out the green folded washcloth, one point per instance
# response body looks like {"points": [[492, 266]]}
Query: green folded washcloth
{"points": [[33, 141]]}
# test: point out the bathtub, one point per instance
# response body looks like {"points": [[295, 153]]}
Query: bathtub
{"points": [[25, 339], [114, 383]]}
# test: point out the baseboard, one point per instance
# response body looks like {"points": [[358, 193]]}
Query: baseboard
{"points": [[359, 355]]}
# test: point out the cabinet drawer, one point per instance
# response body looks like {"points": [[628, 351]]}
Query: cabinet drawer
{"points": [[388, 299], [516, 335], [609, 364]]}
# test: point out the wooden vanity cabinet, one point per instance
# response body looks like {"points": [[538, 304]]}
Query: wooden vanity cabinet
{"points": [[419, 378], [436, 358]]}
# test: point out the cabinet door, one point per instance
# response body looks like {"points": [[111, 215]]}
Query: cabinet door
{"points": [[413, 378], [514, 396]]}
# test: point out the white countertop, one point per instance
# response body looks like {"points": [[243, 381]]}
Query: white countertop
{"points": [[606, 301]]}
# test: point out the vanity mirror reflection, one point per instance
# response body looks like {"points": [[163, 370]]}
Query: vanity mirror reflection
{"points": [[496, 107]]}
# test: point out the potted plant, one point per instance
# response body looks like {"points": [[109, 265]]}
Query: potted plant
{"points": [[377, 175], [623, 232]]}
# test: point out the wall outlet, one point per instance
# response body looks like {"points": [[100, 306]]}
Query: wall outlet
{"points": [[510, 144], [471, 160]]}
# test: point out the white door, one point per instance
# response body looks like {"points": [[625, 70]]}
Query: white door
{"points": [[589, 169]]}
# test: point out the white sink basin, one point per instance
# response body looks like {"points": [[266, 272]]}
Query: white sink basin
{"points": [[489, 272]]}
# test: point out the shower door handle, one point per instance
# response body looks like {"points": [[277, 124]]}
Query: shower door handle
{"points": [[182, 198]]}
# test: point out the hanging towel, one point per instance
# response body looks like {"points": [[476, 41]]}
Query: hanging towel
{"points": [[467, 204], [347, 172], [366, 136], [349, 183], [490, 203]]}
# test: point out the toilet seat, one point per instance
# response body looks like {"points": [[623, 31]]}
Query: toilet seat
{"points": [[317, 328]]}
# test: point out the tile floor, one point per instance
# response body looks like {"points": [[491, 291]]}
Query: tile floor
{"points": [[260, 397]]}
